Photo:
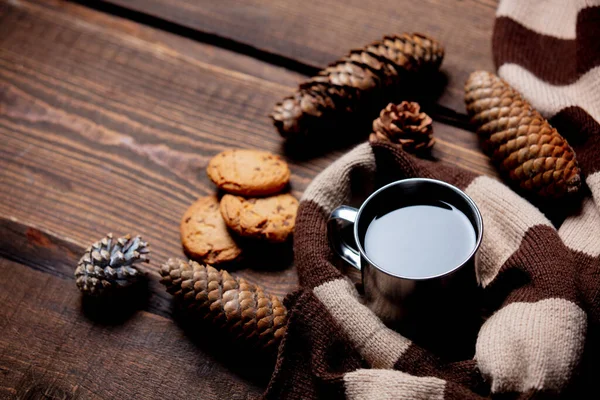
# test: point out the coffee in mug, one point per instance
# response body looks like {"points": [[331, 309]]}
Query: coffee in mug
{"points": [[408, 235], [415, 242], [420, 240]]}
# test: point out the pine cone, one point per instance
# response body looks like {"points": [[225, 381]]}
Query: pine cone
{"points": [[108, 265], [232, 303], [355, 81], [521, 142], [405, 125]]}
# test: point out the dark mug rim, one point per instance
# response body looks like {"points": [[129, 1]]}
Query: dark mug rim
{"points": [[463, 195]]}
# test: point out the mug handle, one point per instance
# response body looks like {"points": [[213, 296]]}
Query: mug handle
{"points": [[348, 217]]}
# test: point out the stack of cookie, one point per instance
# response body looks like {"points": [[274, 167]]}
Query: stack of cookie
{"points": [[253, 207]]}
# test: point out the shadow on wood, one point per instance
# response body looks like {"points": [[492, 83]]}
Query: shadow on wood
{"points": [[268, 256], [116, 308], [44, 391], [240, 357]]}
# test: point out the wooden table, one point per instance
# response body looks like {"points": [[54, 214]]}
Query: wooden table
{"points": [[109, 112]]}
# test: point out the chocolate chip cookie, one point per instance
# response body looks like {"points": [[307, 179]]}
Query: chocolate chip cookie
{"points": [[249, 172], [271, 218], [204, 234]]}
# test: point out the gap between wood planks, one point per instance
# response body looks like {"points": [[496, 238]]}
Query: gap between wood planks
{"points": [[46, 252], [51, 349], [202, 37], [38, 250], [70, 122], [439, 112], [59, 105]]}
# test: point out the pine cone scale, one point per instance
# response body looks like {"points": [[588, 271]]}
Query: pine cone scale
{"points": [[406, 125], [240, 307], [108, 265], [524, 145], [374, 63], [354, 82]]}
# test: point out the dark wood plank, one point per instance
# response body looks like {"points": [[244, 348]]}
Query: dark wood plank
{"points": [[317, 32], [50, 349], [107, 126], [105, 131], [45, 252]]}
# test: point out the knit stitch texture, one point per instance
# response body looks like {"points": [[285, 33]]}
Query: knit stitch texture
{"points": [[538, 287]]}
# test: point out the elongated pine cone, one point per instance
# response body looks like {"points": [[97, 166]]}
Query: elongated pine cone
{"points": [[519, 140], [355, 82], [109, 265], [406, 125], [231, 303]]}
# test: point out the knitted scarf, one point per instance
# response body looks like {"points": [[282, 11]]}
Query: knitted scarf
{"points": [[538, 332]]}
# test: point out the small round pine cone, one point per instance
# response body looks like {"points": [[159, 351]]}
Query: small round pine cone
{"points": [[108, 265], [404, 124], [519, 140], [231, 303]]}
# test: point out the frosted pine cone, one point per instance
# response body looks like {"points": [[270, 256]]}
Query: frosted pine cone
{"points": [[355, 82], [108, 265], [241, 308], [406, 125], [519, 140]]}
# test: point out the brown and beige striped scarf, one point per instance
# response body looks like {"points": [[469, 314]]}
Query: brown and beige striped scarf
{"points": [[539, 333]]}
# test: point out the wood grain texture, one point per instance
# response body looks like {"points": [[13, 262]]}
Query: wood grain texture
{"points": [[316, 32], [107, 126], [50, 349], [104, 132], [45, 252]]}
